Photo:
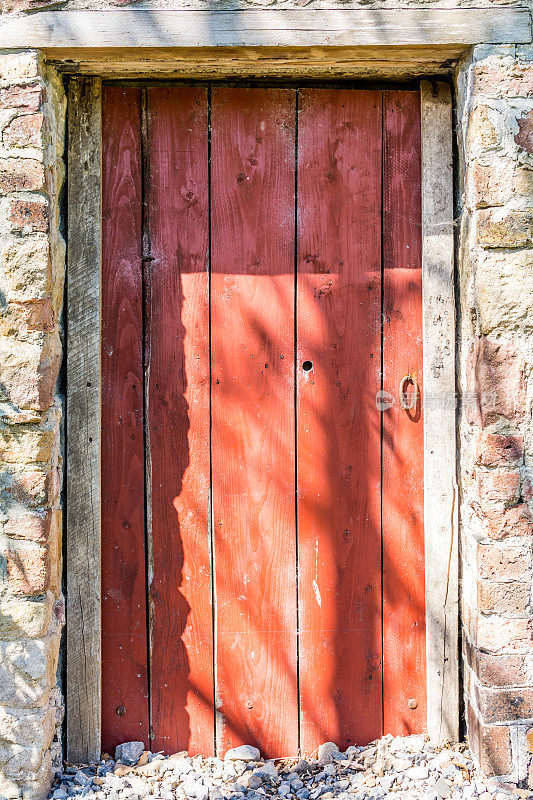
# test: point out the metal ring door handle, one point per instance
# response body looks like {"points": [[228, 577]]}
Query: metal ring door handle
{"points": [[405, 403]]}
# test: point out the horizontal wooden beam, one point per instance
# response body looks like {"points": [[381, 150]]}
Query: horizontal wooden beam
{"points": [[207, 63], [266, 28]]}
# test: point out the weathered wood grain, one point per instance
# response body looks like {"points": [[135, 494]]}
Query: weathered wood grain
{"points": [[266, 27], [338, 423], [252, 318], [124, 640], [177, 317], [440, 487], [205, 63], [404, 635], [83, 421]]}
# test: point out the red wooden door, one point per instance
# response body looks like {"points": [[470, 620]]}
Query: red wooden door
{"points": [[262, 526]]}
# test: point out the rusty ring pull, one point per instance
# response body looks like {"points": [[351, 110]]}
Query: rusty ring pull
{"points": [[405, 403]]}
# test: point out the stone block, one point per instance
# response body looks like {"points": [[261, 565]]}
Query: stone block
{"points": [[29, 370], [513, 521], [495, 634], [510, 599], [26, 444], [37, 784], [30, 214], [499, 486], [55, 548], [11, 415], [10, 789], [28, 568], [504, 290], [33, 659], [33, 527], [30, 5], [504, 561], [490, 744], [21, 320], [482, 132], [488, 184], [19, 691], [28, 727], [523, 181], [22, 617], [498, 182], [25, 130], [503, 80], [504, 705], [19, 762], [496, 373], [26, 264], [498, 670], [32, 488], [18, 66], [21, 96], [497, 228], [21, 174], [497, 450]]}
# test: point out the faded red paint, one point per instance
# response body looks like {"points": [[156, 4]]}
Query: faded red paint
{"points": [[266, 473]]}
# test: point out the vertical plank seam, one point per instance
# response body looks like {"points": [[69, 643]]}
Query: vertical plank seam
{"points": [[381, 422], [146, 251], [211, 534], [299, 701]]}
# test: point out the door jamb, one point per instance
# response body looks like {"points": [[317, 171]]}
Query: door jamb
{"points": [[84, 405]]}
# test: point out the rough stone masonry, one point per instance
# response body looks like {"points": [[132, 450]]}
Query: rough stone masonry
{"points": [[32, 112], [494, 92], [494, 135]]}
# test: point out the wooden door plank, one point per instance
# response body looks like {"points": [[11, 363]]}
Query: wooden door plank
{"points": [[124, 640], [83, 473], [338, 424], [252, 315], [178, 408], [404, 652]]}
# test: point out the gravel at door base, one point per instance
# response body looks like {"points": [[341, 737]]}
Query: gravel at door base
{"points": [[406, 768]]}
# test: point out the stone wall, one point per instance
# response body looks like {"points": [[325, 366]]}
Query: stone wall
{"points": [[32, 110], [495, 345]]}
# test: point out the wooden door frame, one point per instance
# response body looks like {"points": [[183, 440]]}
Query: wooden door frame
{"points": [[84, 404]]}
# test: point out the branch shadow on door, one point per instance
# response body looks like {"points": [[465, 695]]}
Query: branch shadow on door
{"points": [[265, 579]]}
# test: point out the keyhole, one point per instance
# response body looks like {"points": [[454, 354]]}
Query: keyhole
{"points": [[307, 366]]}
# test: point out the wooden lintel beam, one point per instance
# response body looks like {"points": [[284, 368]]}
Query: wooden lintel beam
{"points": [[266, 28]]}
